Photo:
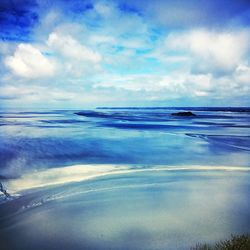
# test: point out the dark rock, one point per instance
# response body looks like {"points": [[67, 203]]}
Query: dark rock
{"points": [[4, 191], [187, 113]]}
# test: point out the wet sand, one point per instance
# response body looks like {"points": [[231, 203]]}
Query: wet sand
{"points": [[124, 208]]}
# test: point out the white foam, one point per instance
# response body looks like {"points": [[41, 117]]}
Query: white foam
{"points": [[76, 173]]}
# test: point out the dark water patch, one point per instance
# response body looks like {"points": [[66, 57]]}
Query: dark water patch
{"points": [[215, 123], [127, 116], [93, 114], [66, 121], [236, 126], [144, 126], [19, 155], [137, 126], [212, 116], [13, 123], [45, 126]]}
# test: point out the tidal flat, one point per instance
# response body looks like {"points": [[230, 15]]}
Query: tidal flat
{"points": [[123, 178]]}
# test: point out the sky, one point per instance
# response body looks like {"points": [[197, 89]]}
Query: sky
{"points": [[81, 54]]}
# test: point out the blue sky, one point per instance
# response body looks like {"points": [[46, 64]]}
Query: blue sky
{"points": [[81, 54]]}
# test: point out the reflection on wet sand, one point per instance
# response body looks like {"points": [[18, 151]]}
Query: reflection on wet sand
{"points": [[155, 209]]}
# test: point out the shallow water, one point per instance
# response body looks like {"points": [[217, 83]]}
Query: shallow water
{"points": [[38, 140], [124, 178]]}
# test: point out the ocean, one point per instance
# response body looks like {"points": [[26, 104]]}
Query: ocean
{"points": [[124, 178]]}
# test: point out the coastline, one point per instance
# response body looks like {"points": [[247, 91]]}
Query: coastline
{"points": [[82, 172]]}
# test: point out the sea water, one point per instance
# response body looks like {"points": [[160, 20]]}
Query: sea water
{"points": [[124, 178]]}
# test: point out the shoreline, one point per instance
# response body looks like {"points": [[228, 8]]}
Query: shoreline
{"points": [[80, 172]]}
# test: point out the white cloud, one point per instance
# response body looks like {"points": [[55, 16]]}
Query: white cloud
{"points": [[124, 57], [104, 9], [5, 47], [29, 62], [71, 48], [13, 92], [179, 85], [211, 51], [102, 39], [31, 93], [242, 74]]}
